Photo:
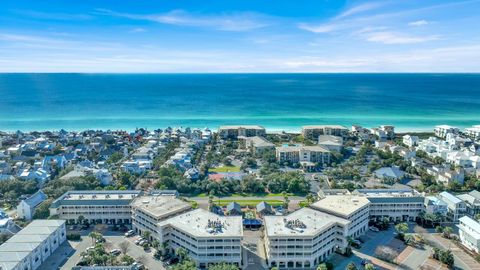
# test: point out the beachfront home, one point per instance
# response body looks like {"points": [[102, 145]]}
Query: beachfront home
{"points": [[435, 206], [472, 201]]}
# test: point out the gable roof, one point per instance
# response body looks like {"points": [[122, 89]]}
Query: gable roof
{"points": [[36, 199]]}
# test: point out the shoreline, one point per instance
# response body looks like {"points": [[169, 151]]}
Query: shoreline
{"points": [[267, 128]]}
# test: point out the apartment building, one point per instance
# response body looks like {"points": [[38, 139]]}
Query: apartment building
{"points": [[305, 155], [395, 204], [30, 247], [207, 237], [149, 210], [355, 209], [95, 206], [442, 130], [233, 132], [473, 132], [304, 238], [469, 232], [312, 132], [456, 207]]}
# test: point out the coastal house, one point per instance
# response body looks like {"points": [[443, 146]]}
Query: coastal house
{"points": [[456, 207], [390, 173], [256, 144], [233, 209], [50, 162], [26, 208], [410, 141], [472, 201], [469, 232], [435, 206]]}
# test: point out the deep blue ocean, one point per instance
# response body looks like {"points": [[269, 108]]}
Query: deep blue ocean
{"points": [[277, 101]]}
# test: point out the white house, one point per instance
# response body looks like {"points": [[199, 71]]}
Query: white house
{"points": [[456, 207], [410, 140], [26, 208], [469, 231]]}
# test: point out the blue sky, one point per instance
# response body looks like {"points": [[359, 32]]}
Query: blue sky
{"points": [[240, 36]]}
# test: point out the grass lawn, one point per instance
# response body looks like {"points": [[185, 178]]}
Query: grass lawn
{"points": [[225, 169], [249, 203]]}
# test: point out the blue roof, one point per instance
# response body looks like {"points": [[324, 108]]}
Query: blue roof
{"points": [[36, 199], [252, 222], [392, 172]]}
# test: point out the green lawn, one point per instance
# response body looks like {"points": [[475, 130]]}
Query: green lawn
{"points": [[249, 203], [225, 169]]}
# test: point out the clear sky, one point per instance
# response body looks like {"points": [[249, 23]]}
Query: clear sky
{"points": [[240, 36]]}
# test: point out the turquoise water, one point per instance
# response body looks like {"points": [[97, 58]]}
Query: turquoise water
{"points": [[276, 101]]}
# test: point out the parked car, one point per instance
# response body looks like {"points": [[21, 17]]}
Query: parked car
{"points": [[373, 229], [72, 227], [137, 242], [100, 240], [115, 252], [129, 233]]}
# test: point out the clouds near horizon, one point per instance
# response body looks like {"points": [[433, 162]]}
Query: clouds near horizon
{"points": [[240, 36]]}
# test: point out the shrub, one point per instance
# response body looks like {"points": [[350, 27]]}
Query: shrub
{"points": [[74, 236]]}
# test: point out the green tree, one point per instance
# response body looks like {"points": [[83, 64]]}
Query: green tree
{"points": [[322, 266], [447, 231], [369, 266], [401, 229], [94, 236], [223, 266], [351, 266]]}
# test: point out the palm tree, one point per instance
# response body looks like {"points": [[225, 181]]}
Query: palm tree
{"points": [[94, 236], [447, 231], [182, 253], [146, 235]]}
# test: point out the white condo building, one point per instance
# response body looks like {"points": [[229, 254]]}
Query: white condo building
{"points": [[147, 211], [30, 247], [95, 206], [355, 209], [304, 238], [395, 204], [442, 130], [207, 237], [473, 132], [469, 231]]}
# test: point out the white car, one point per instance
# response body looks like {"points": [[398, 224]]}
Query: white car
{"points": [[137, 242], [129, 233], [373, 229]]}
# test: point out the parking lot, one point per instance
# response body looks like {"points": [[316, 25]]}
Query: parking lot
{"points": [[68, 255]]}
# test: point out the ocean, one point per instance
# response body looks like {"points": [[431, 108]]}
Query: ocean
{"points": [[411, 102]]}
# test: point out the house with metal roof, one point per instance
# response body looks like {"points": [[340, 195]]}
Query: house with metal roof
{"points": [[469, 231], [234, 208], [26, 208], [456, 207], [263, 208]]}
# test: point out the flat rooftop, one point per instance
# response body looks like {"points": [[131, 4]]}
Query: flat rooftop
{"points": [[160, 206], [315, 148], [241, 126], [341, 205], [96, 197], [309, 223], [203, 223], [324, 126]]}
